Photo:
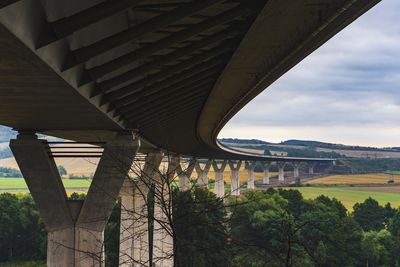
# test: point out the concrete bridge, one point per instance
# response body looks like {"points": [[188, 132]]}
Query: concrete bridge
{"points": [[156, 78]]}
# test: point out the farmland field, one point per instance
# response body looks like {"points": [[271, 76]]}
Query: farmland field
{"points": [[350, 196], [370, 178], [19, 183]]}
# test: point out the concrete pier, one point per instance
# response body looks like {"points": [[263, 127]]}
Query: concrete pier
{"points": [[235, 186], [75, 228], [250, 165], [266, 166], [185, 174], [296, 171], [219, 188], [202, 173], [281, 171], [134, 235]]}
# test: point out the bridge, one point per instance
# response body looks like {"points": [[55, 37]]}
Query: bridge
{"points": [[150, 79]]}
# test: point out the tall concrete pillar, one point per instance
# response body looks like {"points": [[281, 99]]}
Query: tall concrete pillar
{"points": [[281, 171], [266, 166], [219, 188], [296, 169], [311, 166], [250, 165], [134, 235], [75, 229], [202, 173], [185, 174], [235, 186], [162, 235]]}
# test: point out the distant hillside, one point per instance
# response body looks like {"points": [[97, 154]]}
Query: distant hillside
{"points": [[309, 148], [242, 141], [336, 146]]}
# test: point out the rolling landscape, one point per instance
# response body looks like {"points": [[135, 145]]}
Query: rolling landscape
{"points": [[361, 172]]}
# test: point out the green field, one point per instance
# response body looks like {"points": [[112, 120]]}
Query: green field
{"points": [[19, 183], [350, 196]]}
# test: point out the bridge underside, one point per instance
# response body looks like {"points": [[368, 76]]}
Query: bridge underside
{"points": [[176, 71]]}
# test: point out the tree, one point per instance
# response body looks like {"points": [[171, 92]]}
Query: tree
{"points": [[201, 235], [376, 248], [370, 215], [62, 170]]}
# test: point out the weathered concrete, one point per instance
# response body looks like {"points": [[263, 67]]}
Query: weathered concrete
{"points": [[185, 174], [250, 165], [235, 186], [202, 173], [219, 188], [75, 229], [134, 235], [281, 171], [266, 166], [162, 234]]}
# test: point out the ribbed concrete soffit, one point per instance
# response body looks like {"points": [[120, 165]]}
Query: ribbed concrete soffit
{"points": [[176, 70]]}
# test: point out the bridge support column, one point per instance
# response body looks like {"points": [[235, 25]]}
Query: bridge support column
{"points": [[235, 186], [202, 178], [296, 172], [311, 166], [134, 235], [281, 171], [162, 238], [184, 175], [219, 188], [75, 228], [266, 166], [250, 165]]}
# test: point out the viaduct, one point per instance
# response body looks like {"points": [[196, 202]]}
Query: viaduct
{"points": [[149, 79]]}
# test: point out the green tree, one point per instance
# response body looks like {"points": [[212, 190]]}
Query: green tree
{"points": [[376, 248], [62, 170], [370, 215], [199, 231]]}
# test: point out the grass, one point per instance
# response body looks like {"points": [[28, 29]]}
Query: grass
{"points": [[350, 196], [23, 264], [19, 183], [370, 178]]}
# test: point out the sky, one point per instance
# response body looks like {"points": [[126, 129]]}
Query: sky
{"points": [[348, 91]]}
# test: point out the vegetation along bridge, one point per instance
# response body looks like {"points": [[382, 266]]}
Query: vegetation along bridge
{"points": [[143, 81]]}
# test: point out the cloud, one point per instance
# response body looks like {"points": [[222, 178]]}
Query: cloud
{"points": [[352, 82]]}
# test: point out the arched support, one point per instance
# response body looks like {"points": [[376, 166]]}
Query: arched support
{"points": [[235, 186], [134, 242], [250, 165], [185, 174], [202, 173], [296, 171], [219, 188], [281, 171], [75, 229], [266, 166]]}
